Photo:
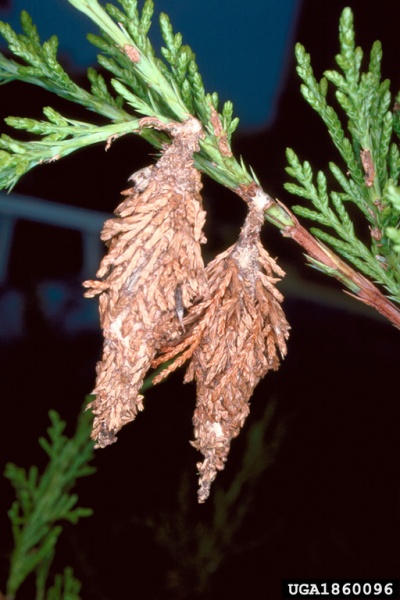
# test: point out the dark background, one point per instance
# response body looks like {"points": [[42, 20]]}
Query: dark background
{"points": [[328, 507]]}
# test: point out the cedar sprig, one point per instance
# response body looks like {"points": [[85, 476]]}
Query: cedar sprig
{"points": [[329, 210], [153, 89], [60, 137], [44, 500], [38, 64], [371, 160], [188, 78]]}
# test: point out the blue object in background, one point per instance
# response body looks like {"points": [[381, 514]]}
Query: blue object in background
{"points": [[241, 46]]}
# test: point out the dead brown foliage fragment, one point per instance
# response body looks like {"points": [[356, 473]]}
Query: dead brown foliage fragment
{"points": [[221, 135], [234, 338], [368, 166], [153, 263], [132, 53]]}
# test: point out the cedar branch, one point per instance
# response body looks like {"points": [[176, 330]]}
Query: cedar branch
{"points": [[321, 256]]}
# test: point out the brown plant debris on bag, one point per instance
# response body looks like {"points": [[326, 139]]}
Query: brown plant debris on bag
{"points": [[152, 273], [234, 338]]}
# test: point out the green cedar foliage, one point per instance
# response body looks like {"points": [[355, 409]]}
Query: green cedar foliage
{"points": [[168, 89], [42, 502], [369, 178]]}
